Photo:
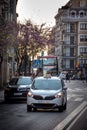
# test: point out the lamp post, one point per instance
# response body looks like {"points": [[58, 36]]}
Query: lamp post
{"points": [[42, 61]]}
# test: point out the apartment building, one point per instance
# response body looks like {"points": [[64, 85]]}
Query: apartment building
{"points": [[7, 13], [71, 35]]}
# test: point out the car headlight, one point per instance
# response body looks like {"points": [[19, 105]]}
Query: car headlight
{"points": [[29, 94], [59, 95]]}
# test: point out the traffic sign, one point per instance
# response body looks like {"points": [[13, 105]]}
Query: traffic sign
{"points": [[37, 64]]}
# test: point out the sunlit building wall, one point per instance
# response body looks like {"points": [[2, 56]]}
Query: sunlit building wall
{"points": [[71, 35]]}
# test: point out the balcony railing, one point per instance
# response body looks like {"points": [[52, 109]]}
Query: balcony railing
{"points": [[68, 55], [73, 19], [69, 43]]}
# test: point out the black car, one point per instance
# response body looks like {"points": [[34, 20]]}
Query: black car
{"points": [[17, 88]]}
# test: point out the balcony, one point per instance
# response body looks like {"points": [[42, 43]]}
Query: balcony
{"points": [[69, 31], [68, 55], [69, 44], [74, 19]]}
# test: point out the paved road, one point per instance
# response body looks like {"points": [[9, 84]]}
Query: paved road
{"points": [[75, 118], [80, 122]]}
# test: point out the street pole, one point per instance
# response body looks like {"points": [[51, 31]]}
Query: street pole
{"points": [[42, 61]]}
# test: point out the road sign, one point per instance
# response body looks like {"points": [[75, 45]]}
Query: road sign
{"points": [[37, 64]]}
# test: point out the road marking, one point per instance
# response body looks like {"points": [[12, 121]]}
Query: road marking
{"points": [[76, 119], [78, 99], [69, 118]]}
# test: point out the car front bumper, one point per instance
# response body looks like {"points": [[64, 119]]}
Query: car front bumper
{"points": [[55, 103]]}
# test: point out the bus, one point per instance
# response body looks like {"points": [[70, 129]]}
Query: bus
{"points": [[49, 65]]}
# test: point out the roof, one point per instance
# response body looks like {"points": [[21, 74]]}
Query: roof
{"points": [[42, 77]]}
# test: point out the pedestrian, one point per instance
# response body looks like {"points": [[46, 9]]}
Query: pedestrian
{"points": [[39, 72], [67, 77], [33, 75], [82, 77], [86, 76]]}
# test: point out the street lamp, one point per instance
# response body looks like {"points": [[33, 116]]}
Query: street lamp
{"points": [[42, 61]]}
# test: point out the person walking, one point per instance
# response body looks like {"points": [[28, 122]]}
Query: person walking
{"points": [[86, 76], [67, 77], [82, 76]]}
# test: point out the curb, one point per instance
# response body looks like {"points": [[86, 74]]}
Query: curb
{"points": [[65, 123]]}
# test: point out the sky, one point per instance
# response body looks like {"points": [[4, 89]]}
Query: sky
{"points": [[39, 11]]}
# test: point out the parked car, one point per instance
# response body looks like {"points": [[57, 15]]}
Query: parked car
{"points": [[17, 88], [47, 93]]}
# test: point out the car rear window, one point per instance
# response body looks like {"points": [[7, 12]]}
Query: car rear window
{"points": [[24, 81], [13, 81], [20, 81], [47, 84]]}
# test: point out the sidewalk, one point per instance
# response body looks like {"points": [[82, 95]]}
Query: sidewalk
{"points": [[1, 95]]}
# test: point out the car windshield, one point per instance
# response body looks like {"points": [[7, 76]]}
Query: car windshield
{"points": [[47, 84], [20, 81]]}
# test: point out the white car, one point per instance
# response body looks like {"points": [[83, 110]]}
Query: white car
{"points": [[47, 93]]}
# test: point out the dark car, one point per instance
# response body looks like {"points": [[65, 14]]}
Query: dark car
{"points": [[17, 88]]}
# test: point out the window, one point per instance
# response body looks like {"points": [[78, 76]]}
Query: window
{"points": [[83, 38], [72, 27], [83, 26], [73, 13], [83, 50], [81, 13]]}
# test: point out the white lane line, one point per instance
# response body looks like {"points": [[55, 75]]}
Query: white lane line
{"points": [[76, 119], [78, 99], [69, 118]]}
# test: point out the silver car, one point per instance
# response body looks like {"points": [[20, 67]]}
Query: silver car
{"points": [[47, 93]]}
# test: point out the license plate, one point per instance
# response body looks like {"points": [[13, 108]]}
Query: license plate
{"points": [[42, 101], [17, 94]]}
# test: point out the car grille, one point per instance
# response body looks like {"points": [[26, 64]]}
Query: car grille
{"points": [[49, 97], [44, 105], [38, 97]]}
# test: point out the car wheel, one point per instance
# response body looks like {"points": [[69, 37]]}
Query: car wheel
{"points": [[6, 100], [65, 106], [29, 108]]}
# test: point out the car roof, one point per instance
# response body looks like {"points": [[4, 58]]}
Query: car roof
{"points": [[53, 77]]}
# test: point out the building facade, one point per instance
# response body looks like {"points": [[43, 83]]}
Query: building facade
{"points": [[7, 13], [71, 35]]}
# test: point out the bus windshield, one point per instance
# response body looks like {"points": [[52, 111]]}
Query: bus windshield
{"points": [[50, 64], [49, 61]]}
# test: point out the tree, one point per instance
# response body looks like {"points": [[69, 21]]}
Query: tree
{"points": [[26, 38], [32, 39]]}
